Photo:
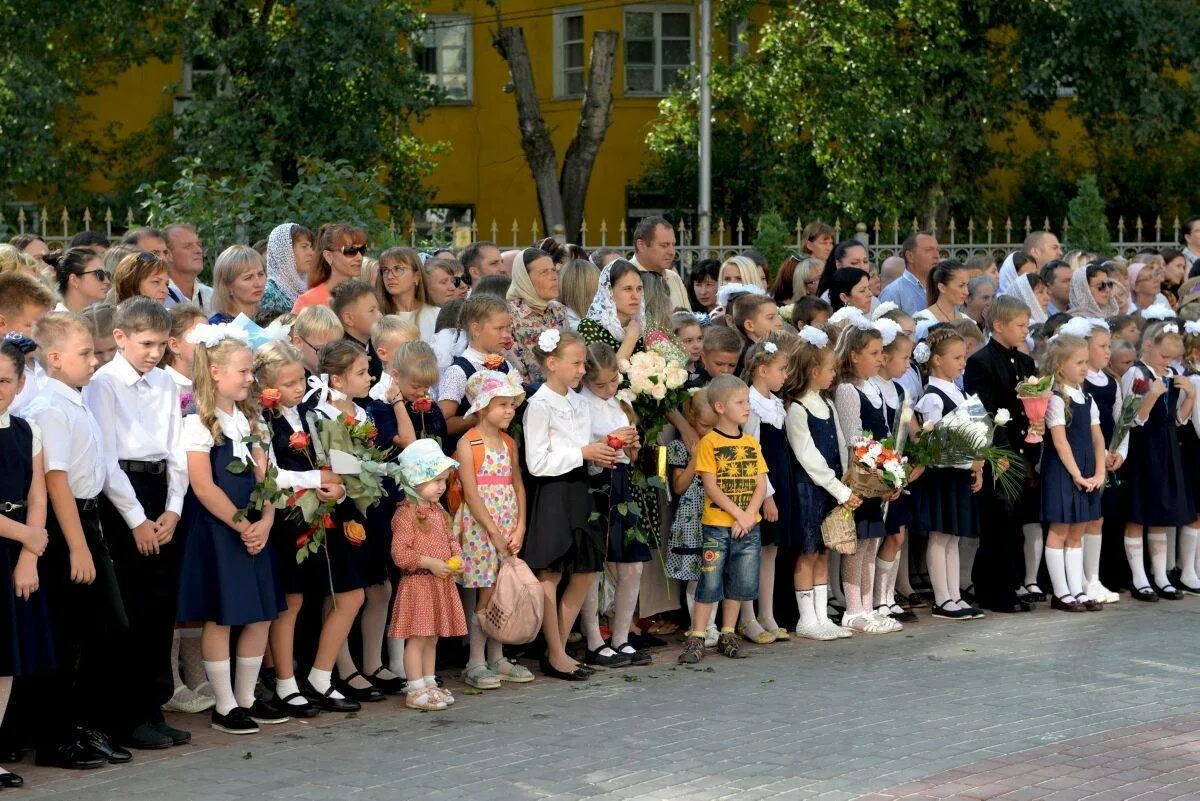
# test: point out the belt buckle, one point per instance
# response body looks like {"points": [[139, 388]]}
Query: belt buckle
{"points": [[157, 468], [10, 506]]}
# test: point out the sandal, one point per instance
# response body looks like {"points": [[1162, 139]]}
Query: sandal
{"points": [[481, 677], [865, 624], [426, 700]]}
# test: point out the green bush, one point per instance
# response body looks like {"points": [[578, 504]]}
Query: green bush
{"points": [[773, 240], [1089, 227]]}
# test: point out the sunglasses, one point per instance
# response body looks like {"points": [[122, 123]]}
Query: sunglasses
{"points": [[1103, 285], [354, 250], [101, 275], [459, 280]]}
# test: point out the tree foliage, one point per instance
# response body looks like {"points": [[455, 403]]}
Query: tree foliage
{"points": [[1089, 228]]}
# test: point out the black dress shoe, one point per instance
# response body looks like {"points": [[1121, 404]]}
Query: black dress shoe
{"points": [[267, 714], [177, 736], [1188, 590], [368, 694], [392, 686], [637, 657], [304, 710], [644, 641], [99, 741], [1169, 593], [236, 722], [1066, 604], [904, 615], [1009, 608], [326, 702], [578, 674], [72, 756], [606, 657], [9, 779], [1146, 594], [145, 738]]}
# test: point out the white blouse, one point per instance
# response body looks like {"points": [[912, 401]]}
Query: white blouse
{"points": [[1133, 374], [1056, 412], [196, 438], [847, 402], [805, 450], [556, 429], [930, 406], [607, 416]]}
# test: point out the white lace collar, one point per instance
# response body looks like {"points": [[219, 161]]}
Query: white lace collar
{"points": [[816, 405], [769, 409]]}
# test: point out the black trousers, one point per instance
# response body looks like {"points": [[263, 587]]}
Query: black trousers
{"points": [[90, 624], [148, 587], [1000, 562]]}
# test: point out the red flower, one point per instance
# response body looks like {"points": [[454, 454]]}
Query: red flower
{"points": [[422, 405], [371, 430], [351, 420], [295, 499], [655, 337], [299, 441], [327, 521], [1140, 386], [269, 398], [302, 540], [615, 441], [493, 361]]}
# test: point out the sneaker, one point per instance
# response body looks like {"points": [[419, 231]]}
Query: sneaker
{"points": [[763, 637], [267, 714], [187, 700], [510, 670], [711, 635], [816, 631], [481, 677], [236, 722], [693, 651], [728, 645]]}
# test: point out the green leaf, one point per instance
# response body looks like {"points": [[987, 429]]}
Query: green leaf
{"points": [[239, 515], [623, 508], [237, 467]]}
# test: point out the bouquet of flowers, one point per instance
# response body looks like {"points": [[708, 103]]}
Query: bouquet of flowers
{"points": [[1129, 407], [1034, 394], [655, 382], [876, 469], [965, 435]]}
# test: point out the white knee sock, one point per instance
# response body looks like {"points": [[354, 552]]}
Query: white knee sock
{"points": [[1172, 547], [935, 560], [885, 575], [395, 651], [246, 678], [1056, 566], [1187, 556], [967, 547], [1158, 556], [821, 602], [1091, 558], [808, 612], [1137, 567], [1033, 551], [589, 617], [629, 583], [1075, 583], [222, 685]]}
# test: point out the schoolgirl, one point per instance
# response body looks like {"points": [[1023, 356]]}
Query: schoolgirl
{"points": [[1189, 558], [485, 321], [1105, 390]]}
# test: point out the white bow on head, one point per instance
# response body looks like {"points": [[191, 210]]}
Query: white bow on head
{"points": [[888, 330], [1076, 326], [210, 335], [319, 386], [814, 336]]}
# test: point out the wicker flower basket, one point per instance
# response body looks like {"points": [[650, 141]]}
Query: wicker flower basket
{"points": [[865, 482], [838, 530]]}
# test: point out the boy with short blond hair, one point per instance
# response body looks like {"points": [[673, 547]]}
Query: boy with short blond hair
{"points": [[23, 301]]}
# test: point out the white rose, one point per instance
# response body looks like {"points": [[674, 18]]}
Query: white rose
{"points": [[906, 415], [658, 392], [1002, 417], [626, 396]]}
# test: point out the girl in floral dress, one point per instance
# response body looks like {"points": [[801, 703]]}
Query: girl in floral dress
{"points": [[490, 524]]}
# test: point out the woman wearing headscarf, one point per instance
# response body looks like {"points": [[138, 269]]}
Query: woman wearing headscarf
{"points": [[615, 316], [534, 307], [290, 255], [1026, 288], [1144, 284], [1092, 293]]}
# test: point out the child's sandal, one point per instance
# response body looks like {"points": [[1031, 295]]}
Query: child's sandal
{"points": [[425, 700]]}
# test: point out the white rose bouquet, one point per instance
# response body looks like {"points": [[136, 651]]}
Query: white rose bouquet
{"points": [[963, 436]]}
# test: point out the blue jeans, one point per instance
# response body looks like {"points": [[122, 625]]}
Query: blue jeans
{"points": [[728, 566]]}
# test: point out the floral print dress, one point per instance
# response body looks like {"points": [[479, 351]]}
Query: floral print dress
{"points": [[494, 481]]}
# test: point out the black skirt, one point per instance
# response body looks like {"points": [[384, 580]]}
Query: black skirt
{"points": [[945, 502], [560, 537]]}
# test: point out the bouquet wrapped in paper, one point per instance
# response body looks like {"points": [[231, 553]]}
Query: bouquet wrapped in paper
{"points": [[964, 436], [876, 469], [1034, 394]]}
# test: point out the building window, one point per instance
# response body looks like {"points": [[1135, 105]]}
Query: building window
{"points": [[444, 54], [658, 46], [568, 52]]}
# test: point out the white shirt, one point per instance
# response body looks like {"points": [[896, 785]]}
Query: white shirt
{"points": [[1100, 379], [805, 450], [911, 381], [77, 448], [196, 438], [382, 387], [35, 380], [140, 420], [1133, 374], [607, 416], [182, 382], [6, 420], [930, 406], [1056, 413], [767, 410], [202, 296], [453, 386], [556, 429]]}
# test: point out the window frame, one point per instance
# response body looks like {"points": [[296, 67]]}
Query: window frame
{"points": [[561, 15], [444, 21], [657, 9]]}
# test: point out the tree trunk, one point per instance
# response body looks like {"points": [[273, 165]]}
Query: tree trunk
{"points": [[594, 119], [535, 136]]}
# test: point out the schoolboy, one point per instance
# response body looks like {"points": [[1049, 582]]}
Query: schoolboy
{"points": [[356, 306], [387, 334]]}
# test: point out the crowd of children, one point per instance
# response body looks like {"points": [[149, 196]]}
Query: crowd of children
{"points": [[138, 574]]}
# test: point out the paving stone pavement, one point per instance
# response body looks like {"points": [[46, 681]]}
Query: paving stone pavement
{"points": [[1052, 706]]}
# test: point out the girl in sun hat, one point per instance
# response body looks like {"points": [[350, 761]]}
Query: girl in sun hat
{"points": [[428, 555], [490, 522]]}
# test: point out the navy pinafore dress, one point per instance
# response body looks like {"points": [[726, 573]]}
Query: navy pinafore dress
{"points": [[943, 495], [813, 502], [868, 518], [219, 580], [289, 526], [27, 640], [781, 467], [1062, 501], [900, 511], [1158, 492]]}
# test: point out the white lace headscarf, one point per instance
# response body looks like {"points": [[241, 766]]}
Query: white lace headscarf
{"points": [[1083, 303], [1020, 288], [1008, 274], [281, 262], [604, 309]]}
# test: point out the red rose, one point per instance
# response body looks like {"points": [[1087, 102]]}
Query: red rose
{"points": [[299, 441], [327, 521], [302, 540], [493, 361], [1140, 386], [295, 499], [615, 441], [422, 405], [269, 398], [351, 420]]}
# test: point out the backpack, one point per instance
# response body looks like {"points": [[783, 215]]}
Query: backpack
{"points": [[455, 496], [513, 615]]}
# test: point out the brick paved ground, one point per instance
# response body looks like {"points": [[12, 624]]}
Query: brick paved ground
{"points": [[1045, 706]]}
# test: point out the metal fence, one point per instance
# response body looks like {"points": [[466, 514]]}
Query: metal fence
{"points": [[883, 239]]}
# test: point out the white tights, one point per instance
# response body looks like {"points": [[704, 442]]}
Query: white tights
{"points": [[858, 576], [941, 555]]}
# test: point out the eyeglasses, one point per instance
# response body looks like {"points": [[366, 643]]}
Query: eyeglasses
{"points": [[399, 269], [354, 250], [306, 342], [1105, 285], [101, 275]]}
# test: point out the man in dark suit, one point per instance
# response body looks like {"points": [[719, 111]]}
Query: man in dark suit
{"points": [[993, 373]]}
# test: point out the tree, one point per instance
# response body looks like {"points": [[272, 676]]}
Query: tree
{"points": [[56, 53], [773, 239], [561, 196], [1089, 228], [307, 78]]}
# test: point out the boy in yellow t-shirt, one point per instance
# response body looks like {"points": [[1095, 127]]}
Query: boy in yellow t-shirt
{"points": [[732, 469]]}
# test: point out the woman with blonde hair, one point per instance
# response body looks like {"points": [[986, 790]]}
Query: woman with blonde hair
{"points": [[400, 288], [239, 281], [739, 270], [577, 284]]}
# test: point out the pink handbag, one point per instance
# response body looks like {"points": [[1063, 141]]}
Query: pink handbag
{"points": [[514, 614]]}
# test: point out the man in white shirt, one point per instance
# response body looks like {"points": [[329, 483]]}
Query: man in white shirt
{"points": [[185, 262], [137, 406], [654, 250]]}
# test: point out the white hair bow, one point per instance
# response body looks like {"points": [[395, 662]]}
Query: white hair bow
{"points": [[737, 289], [1158, 311], [1192, 327], [888, 329], [1076, 326], [814, 336], [1170, 328], [209, 335], [1097, 322], [882, 309], [922, 329], [852, 315], [921, 352], [319, 386]]}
